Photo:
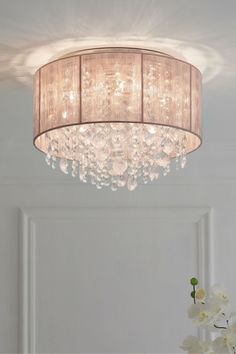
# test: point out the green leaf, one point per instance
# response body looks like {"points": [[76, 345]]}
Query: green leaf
{"points": [[193, 293], [194, 281]]}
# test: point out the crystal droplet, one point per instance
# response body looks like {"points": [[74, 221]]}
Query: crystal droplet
{"points": [[74, 173], [148, 135], [119, 166], [102, 154], [114, 187], [99, 140], [168, 147], [131, 183], [118, 137], [54, 160], [48, 159], [64, 166], [183, 161], [156, 175], [82, 176], [163, 162], [74, 165], [93, 180], [152, 176], [152, 129], [177, 163], [121, 182], [83, 128]]}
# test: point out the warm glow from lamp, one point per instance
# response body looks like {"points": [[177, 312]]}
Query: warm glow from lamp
{"points": [[117, 116]]}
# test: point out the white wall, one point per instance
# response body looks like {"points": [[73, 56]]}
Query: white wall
{"points": [[219, 197]]}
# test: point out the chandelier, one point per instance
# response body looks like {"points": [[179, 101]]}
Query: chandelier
{"points": [[117, 116]]}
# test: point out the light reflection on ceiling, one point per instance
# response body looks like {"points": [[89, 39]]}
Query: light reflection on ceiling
{"points": [[22, 66]]}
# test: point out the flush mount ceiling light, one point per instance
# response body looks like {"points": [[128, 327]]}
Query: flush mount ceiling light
{"points": [[117, 116]]}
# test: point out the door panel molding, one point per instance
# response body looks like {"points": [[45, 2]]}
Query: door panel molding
{"points": [[202, 217]]}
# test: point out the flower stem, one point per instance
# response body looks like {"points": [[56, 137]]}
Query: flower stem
{"points": [[194, 299], [219, 327]]}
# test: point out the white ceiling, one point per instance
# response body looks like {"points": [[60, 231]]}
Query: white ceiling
{"points": [[204, 30]]}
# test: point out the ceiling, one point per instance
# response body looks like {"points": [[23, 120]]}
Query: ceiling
{"points": [[32, 32]]}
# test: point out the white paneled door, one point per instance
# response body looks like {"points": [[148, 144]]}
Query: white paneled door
{"points": [[97, 279]]}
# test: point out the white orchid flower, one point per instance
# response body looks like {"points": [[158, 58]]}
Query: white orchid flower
{"points": [[230, 337], [220, 346], [233, 326], [200, 314], [219, 309], [214, 313], [232, 317], [220, 294], [200, 295], [192, 345], [226, 342]]}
